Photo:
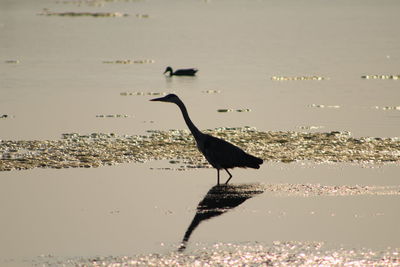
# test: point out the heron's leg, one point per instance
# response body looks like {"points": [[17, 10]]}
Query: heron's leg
{"points": [[217, 176], [230, 176]]}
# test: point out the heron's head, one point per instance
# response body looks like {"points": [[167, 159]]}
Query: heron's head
{"points": [[171, 98], [168, 69]]}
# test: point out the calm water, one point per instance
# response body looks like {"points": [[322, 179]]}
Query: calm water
{"points": [[53, 81], [238, 46]]}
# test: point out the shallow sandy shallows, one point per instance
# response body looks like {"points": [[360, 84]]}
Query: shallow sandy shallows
{"points": [[97, 149]]}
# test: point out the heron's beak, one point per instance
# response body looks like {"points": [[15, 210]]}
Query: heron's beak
{"points": [[157, 99]]}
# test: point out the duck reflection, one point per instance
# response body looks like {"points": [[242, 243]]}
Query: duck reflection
{"points": [[218, 200]]}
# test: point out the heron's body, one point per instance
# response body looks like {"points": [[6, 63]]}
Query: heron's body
{"points": [[219, 153], [224, 155], [180, 72]]}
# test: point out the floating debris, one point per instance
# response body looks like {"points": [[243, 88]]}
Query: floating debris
{"points": [[12, 61], [142, 93], [113, 116], [99, 149], [96, 3], [47, 12], [212, 91], [144, 61], [224, 110], [298, 78], [310, 127], [323, 106], [83, 2], [231, 110], [388, 108], [143, 16], [381, 77], [129, 61], [4, 116]]}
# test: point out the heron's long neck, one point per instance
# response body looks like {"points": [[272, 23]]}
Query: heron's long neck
{"points": [[189, 123]]}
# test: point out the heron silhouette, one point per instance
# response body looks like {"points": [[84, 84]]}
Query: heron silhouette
{"points": [[219, 153], [181, 72]]}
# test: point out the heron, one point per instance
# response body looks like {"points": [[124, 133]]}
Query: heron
{"points": [[181, 72], [218, 152]]}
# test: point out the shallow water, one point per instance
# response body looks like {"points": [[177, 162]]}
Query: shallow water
{"points": [[61, 80], [292, 66], [127, 210]]}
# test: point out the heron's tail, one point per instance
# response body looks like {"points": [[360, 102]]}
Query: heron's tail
{"points": [[253, 162]]}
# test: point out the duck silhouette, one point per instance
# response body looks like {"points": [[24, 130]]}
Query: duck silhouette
{"points": [[180, 72]]}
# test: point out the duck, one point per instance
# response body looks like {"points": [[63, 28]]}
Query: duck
{"points": [[181, 72]]}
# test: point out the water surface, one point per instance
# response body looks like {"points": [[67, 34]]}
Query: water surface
{"points": [[75, 74]]}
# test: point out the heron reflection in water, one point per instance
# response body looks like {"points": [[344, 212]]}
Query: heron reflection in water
{"points": [[217, 201], [219, 153]]}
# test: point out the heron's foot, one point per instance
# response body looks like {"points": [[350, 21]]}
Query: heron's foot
{"points": [[230, 176]]}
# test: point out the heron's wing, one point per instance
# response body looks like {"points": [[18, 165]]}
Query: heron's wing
{"points": [[222, 154]]}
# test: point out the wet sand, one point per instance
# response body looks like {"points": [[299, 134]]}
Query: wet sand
{"points": [[94, 150], [312, 88]]}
